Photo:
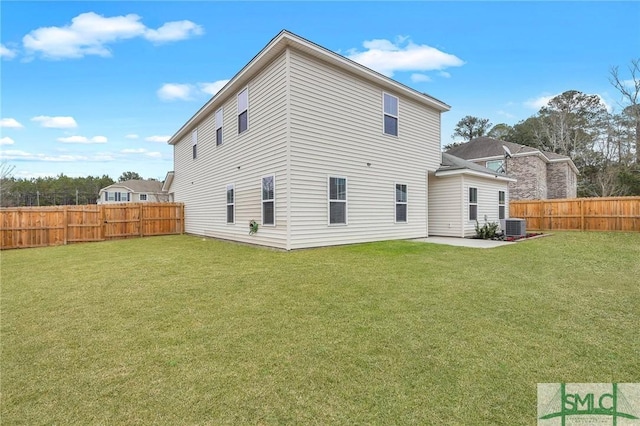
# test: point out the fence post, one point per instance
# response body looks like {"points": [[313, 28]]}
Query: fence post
{"points": [[65, 231], [141, 222], [581, 214]]}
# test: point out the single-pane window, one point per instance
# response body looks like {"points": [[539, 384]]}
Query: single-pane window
{"points": [[194, 143], [230, 203], [473, 203], [496, 165], [243, 111], [219, 127], [337, 200], [390, 114], [501, 204], [268, 200], [401, 203]]}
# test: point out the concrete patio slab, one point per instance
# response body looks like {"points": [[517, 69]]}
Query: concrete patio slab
{"points": [[465, 242]]}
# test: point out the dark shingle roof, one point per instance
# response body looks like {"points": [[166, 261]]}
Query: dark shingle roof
{"points": [[451, 162], [487, 147]]}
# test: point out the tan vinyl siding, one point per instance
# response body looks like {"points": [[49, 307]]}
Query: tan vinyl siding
{"points": [[241, 160], [445, 206], [336, 129], [487, 201]]}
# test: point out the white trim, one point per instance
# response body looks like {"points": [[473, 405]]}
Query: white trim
{"points": [[504, 205], [469, 203], [444, 173], [227, 203], [345, 201], [262, 200], [396, 202]]}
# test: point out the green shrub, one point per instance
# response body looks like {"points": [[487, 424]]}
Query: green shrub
{"points": [[487, 231]]}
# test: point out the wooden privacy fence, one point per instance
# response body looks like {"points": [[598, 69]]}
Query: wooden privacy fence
{"points": [[584, 214], [50, 226]]}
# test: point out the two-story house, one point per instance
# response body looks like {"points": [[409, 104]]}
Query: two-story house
{"points": [[133, 191], [540, 174], [315, 148]]}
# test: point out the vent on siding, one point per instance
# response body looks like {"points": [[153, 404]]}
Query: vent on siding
{"points": [[515, 228]]}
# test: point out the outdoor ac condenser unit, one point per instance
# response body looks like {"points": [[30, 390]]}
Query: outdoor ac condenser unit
{"points": [[515, 228]]}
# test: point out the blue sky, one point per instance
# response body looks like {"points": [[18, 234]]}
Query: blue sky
{"points": [[93, 88]]}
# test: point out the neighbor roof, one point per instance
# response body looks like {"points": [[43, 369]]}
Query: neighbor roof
{"points": [[453, 165], [277, 45], [486, 148], [138, 185]]}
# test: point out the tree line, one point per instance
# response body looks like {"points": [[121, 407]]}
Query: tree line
{"points": [[604, 145], [53, 191]]}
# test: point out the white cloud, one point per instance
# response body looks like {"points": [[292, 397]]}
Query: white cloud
{"points": [[420, 78], [6, 141], [55, 122], [83, 139], [444, 74], [19, 155], [162, 139], [132, 136], [173, 91], [141, 151], [173, 31], [6, 52], [91, 34], [388, 57], [212, 88], [10, 123]]}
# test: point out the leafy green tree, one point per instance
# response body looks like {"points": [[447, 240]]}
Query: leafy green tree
{"points": [[471, 127], [129, 176], [499, 131]]}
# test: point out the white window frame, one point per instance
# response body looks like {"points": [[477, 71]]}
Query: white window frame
{"points": [[345, 201], [385, 113], [240, 112], [231, 186], [502, 204], [194, 143], [406, 202], [143, 197], [111, 196], [499, 169], [472, 203], [219, 122], [272, 200]]}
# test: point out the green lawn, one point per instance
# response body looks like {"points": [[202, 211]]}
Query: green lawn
{"points": [[181, 330]]}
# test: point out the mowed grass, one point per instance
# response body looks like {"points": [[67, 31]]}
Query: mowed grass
{"points": [[181, 330]]}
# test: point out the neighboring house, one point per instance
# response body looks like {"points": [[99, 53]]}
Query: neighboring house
{"points": [[133, 191], [539, 174], [461, 193], [317, 149]]}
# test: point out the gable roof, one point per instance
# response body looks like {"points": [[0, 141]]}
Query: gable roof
{"points": [[454, 165], [279, 44], [134, 185], [485, 148]]}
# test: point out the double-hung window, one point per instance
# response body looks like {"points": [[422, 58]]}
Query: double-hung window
{"points": [[501, 204], [496, 165], [231, 203], [143, 197], [401, 203], [219, 127], [390, 115], [337, 200], [194, 143], [243, 111], [473, 203], [268, 200]]}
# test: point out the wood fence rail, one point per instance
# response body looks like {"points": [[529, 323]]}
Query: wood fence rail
{"points": [[24, 227], [583, 214]]}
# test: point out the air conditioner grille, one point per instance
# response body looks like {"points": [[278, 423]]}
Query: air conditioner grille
{"points": [[515, 228]]}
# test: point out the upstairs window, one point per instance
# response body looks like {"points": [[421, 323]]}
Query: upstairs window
{"points": [[401, 203], [231, 203], [390, 107], [268, 200], [194, 143], [473, 203], [243, 111], [501, 204], [219, 127], [337, 201], [496, 165], [143, 197]]}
